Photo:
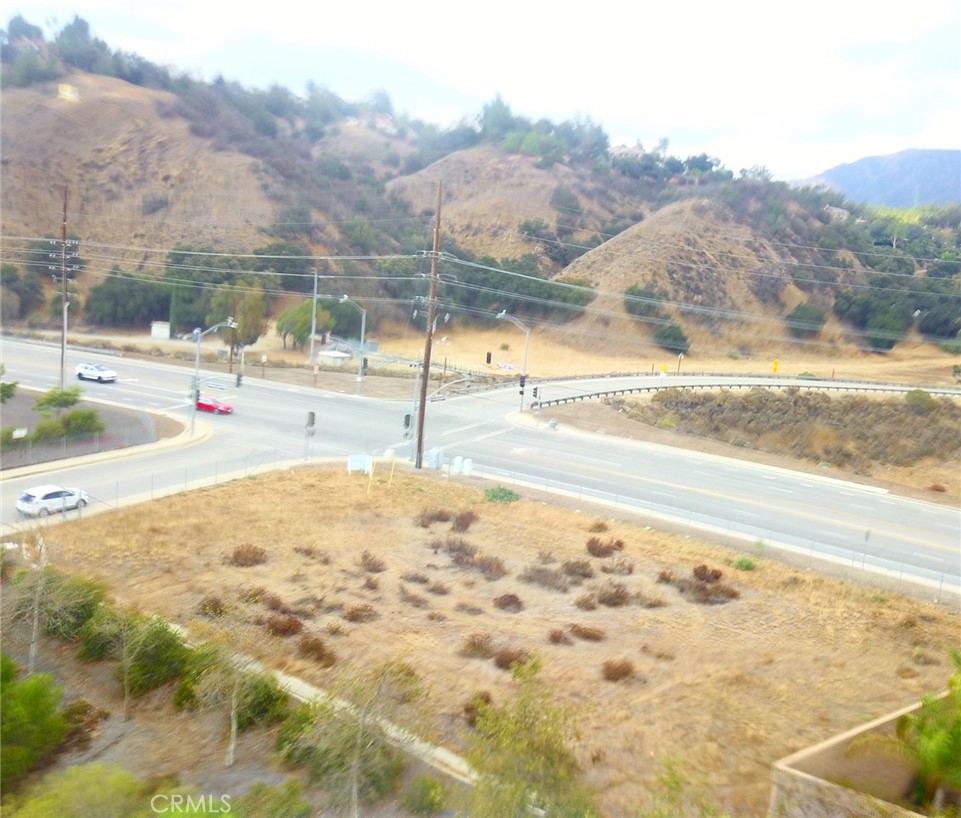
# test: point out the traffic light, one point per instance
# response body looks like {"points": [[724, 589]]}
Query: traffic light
{"points": [[488, 357], [406, 421], [365, 364], [311, 420], [523, 383], [535, 391], [240, 378]]}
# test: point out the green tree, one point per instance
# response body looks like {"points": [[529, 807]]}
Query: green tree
{"points": [[31, 726], [7, 388], [58, 399], [644, 301], [806, 320], [672, 338], [295, 323], [520, 751], [247, 306]]}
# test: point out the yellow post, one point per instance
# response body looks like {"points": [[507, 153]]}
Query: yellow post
{"points": [[777, 363]]}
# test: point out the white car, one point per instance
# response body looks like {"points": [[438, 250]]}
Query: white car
{"points": [[43, 500], [95, 372]]}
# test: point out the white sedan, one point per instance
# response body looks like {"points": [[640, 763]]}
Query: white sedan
{"points": [[95, 372], [41, 501]]}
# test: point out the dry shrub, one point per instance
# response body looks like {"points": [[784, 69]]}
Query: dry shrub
{"points": [[437, 616], [645, 601], [478, 646], [458, 547], [274, 603], [212, 606], [410, 598], [617, 670], [937, 487], [580, 569], [312, 553], [438, 515], [416, 576], [373, 563], [313, 647], [361, 612], [335, 629], [598, 548], [545, 577], [247, 555], [283, 625], [666, 576], [467, 608], [587, 632], [613, 594], [371, 583], [620, 566], [491, 567], [438, 588], [557, 637], [473, 706], [252, 596], [586, 602], [509, 602], [506, 658], [545, 557], [464, 520], [598, 527], [663, 655], [705, 574]]}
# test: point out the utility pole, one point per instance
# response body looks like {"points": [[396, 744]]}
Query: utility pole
{"points": [[64, 304], [313, 319], [431, 307]]}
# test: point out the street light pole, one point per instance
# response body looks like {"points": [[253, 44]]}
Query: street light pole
{"points": [[363, 329], [527, 343], [195, 390]]}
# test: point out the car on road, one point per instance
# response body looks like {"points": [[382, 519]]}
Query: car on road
{"points": [[95, 372], [206, 403], [41, 501]]}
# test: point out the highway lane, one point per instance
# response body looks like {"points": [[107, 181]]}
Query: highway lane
{"points": [[810, 514]]}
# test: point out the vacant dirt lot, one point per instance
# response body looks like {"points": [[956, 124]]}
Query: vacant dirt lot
{"points": [[726, 688]]}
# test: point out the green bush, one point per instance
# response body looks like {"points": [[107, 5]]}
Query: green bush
{"points": [[161, 655], [66, 603], [805, 320], [922, 402], [265, 801], [743, 564], [264, 702], [425, 796], [672, 338], [198, 661], [48, 429], [82, 422], [500, 494], [98, 636], [31, 727]]}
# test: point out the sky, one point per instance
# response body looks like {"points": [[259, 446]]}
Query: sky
{"points": [[795, 88]]}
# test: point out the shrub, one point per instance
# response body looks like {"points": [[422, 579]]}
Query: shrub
{"points": [[32, 727], [613, 594], [597, 548], [586, 602], [416, 576], [464, 520], [283, 625], [410, 598], [212, 606], [437, 515], [673, 339], [743, 564], [598, 527], [587, 632], [161, 655], [506, 658], [264, 702], [558, 637], [438, 588], [371, 583], [705, 574], [474, 704], [313, 647], [621, 566], [509, 602], [360, 613], [48, 429], [500, 494], [246, 555], [82, 422], [478, 646], [253, 596], [424, 796], [616, 670], [372, 563], [545, 577], [66, 603], [491, 567], [581, 569]]}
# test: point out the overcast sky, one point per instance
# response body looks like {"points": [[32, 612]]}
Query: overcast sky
{"points": [[797, 88]]}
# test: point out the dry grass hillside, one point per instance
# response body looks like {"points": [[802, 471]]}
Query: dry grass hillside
{"points": [[137, 180]]}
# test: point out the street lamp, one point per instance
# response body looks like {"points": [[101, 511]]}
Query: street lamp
{"points": [[363, 327], [527, 342], [195, 391]]}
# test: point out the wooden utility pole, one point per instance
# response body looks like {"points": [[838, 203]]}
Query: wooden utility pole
{"points": [[63, 289], [431, 309]]}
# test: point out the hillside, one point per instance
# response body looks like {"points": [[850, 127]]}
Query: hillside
{"points": [[147, 171]]}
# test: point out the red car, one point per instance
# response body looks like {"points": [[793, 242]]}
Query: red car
{"points": [[217, 407]]}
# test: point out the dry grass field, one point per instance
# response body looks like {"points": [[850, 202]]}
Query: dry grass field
{"points": [[727, 688]]}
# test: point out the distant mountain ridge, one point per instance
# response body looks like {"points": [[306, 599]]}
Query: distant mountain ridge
{"points": [[911, 178]]}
